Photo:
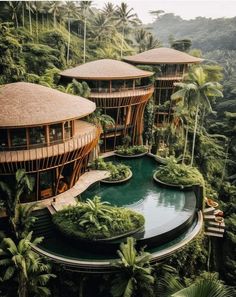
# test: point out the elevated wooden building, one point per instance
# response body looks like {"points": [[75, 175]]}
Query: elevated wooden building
{"points": [[121, 91], [42, 131], [171, 65]]}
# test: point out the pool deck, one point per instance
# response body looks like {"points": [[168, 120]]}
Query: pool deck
{"points": [[62, 200]]}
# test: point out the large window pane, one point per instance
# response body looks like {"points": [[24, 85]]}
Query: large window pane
{"points": [[46, 184], [37, 135], [3, 139], [18, 138], [68, 129], [55, 133]]}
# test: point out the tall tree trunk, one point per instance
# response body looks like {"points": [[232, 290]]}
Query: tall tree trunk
{"points": [[68, 44], [23, 14], [85, 33], [47, 21], [22, 286], [122, 41], [54, 19], [37, 25], [185, 144], [16, 18], [30, 21], [194, 134]]}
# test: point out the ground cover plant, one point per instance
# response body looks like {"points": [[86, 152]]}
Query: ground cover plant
{"points": [[179, 174], [118, 172], [131, 150], [95, 219]]}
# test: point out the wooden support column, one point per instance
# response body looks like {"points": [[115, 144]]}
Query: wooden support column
{"points": [[110, 86], [47, 135]]}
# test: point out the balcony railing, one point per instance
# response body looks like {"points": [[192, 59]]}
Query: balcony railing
{"points": [[85, 133], [121, 91]]}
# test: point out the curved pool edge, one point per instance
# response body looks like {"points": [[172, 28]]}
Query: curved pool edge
{"points": [[98, 266]]}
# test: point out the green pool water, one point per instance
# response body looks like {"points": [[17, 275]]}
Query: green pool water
{"points": [[163, 209]]}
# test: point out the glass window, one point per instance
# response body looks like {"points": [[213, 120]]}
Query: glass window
{"points": [[37, 135], [46, 184], [3, 139], [18, 138], [55, 133], [68, 129]]}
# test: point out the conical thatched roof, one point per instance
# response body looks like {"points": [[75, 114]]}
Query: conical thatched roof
{"points": [[162, 55], [26, 104], [105, 69]]}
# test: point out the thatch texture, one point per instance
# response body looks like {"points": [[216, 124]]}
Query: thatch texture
{"points": [[105, 69], [162, 55], [26, 104]]}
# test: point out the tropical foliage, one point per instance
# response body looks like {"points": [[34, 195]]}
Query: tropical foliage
{"points": [[179, 174], [95, 219], [20, 266], [117, 172], [135, 272], [131, 150]]}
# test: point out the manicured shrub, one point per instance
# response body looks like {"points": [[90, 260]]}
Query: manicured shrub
{"points": [[131, 150], [95, 219]]}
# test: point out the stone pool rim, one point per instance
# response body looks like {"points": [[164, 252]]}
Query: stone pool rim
{"points": [[104, 266]]}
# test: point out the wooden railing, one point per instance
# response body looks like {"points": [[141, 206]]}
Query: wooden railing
{"points": [[121, 92], [77, 141]]}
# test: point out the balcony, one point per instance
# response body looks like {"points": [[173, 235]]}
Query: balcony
{"points": [[121, 92], [84, 134]]}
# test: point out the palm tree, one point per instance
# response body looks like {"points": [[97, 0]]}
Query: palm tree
{"points": [[55, 7], [125, 18], [140, 38], [109, 10], [208, 285], [85, 8], [30, 7], [151, 42], [198, 91], [70, 13], [23, 183], [24, 219], [25, 266], [135, 274], [101, 27], [14, 6]]}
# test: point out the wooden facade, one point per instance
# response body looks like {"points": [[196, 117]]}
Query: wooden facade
{"points": [[170, 65], [43, 132], [63, 162], [126, 107]]}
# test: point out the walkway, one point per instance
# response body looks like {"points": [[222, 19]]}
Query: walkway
{"points": [[69, 197]]}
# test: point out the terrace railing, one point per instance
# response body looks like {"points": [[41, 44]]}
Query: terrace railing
{"points": [[79, 140], [121, 91]]}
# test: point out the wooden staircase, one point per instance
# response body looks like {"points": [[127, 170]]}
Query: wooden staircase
{"points": [[212, 227]]}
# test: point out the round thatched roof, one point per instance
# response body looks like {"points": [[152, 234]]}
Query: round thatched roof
{"points": [[162, 55], [26, 104], [105, 69]]}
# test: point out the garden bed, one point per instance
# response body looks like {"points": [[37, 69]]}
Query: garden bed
{"points": [[95, 220], [131, 151], [119, 181]]}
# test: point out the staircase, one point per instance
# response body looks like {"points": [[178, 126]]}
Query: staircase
{"points": [[43, 225], [212, 227]]}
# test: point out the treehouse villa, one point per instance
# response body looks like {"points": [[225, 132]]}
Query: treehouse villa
{"points": [[170, 67], [47, 133], [121, 91]]}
